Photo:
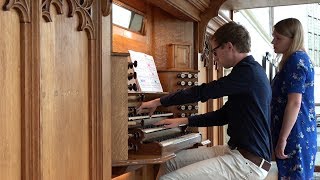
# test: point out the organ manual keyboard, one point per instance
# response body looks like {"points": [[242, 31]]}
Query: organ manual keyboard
{"points": [[146, 139], [149, 145]]}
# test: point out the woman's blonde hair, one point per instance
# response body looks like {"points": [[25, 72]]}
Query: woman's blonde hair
{"points": [[291, 28]]}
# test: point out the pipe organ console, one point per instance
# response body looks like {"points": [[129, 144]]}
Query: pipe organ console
{"points": [[144, 138], [137, 142]]}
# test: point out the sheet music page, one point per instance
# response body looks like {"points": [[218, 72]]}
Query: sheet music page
{"points": [[147, 75]]}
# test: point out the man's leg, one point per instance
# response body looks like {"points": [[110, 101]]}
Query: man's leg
{"points": [[231, 165], [190, 156]]}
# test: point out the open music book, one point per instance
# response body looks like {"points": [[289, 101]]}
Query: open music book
{"points": [[147, 75]]}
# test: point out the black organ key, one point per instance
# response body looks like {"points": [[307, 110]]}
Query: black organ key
{"points": [[132, 87], [132, 75], [132, 64], [141, 97]]}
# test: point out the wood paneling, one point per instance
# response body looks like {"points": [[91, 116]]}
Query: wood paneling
{"points": [[51, 76], [106, 94], [168, 30], [64, 99], [162, 29], [124, 40], [119, 109], [10, 96]]}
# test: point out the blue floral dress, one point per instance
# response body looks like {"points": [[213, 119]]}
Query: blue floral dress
{"points": [[296, 76]]}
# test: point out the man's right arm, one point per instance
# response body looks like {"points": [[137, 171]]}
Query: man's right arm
{"points": [[214, 118]]}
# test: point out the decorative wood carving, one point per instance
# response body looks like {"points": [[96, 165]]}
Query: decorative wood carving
{"points": [[106, 7], [22, 6], [81, 7], [212, 26], [205, 56], [46, 8]]}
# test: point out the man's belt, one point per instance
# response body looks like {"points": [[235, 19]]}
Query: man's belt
{"points": [[260, 162]]}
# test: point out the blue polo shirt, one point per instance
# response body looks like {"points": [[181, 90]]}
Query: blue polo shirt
{"points": [[247, 111]]}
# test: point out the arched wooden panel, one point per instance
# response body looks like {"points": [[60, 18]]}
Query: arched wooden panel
{"points": [[10, 95], [27, 107], [64, 100], [82, 8], [22, 6], [68, 92], [51, 77]]}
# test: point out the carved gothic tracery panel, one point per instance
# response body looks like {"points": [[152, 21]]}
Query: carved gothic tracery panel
{"points": [[46, 8], [22, 6], [207, 55], [81, 7]]}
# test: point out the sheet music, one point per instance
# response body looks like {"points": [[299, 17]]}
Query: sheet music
{"points": [[147, 75]]}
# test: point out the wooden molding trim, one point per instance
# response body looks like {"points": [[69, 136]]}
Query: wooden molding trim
{"points": [[29, 75], [22, 6], [201, 5], [83, 9], [106, 7], [215, 23]]}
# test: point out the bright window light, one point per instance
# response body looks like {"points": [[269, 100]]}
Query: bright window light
{"points": [[121, 16]]}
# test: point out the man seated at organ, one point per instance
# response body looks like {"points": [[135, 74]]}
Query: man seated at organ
{"points": [[246, 112]]}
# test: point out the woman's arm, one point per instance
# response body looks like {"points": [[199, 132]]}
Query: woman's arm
{"points": [[289, 119]]}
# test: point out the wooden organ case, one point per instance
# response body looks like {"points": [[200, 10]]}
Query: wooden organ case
{"points": [[146, 143], [138, 144]]}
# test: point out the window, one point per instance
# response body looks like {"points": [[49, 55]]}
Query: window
{"points": [[127, 18]]}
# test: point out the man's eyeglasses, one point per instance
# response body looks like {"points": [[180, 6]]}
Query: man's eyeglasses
{"points": [[214, 50]]}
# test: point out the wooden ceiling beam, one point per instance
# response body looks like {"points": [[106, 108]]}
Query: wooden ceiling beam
{"points": [[183, 10], [249, 4]]}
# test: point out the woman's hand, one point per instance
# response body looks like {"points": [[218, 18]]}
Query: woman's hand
{"points": [[171, 123], [279, 151]]}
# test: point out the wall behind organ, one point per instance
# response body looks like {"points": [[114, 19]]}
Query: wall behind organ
{"points": [[161, 29]]}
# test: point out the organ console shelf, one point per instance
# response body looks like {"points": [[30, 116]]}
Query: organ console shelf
{"points": [[138, 161]]}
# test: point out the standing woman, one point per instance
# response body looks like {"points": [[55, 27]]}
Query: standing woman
{"points": [[292, 106]]}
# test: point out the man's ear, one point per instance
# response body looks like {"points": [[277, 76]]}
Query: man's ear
{"points": [[229, 45]]}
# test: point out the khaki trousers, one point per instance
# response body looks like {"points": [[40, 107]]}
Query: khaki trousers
{"points": [[217, 163]]}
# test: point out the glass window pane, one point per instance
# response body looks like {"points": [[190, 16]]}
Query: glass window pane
{"points": [[121, 16]]}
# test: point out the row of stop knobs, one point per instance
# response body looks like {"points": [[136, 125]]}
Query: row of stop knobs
{"points": [[187, 107], [187, 75], [189, 83]]}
